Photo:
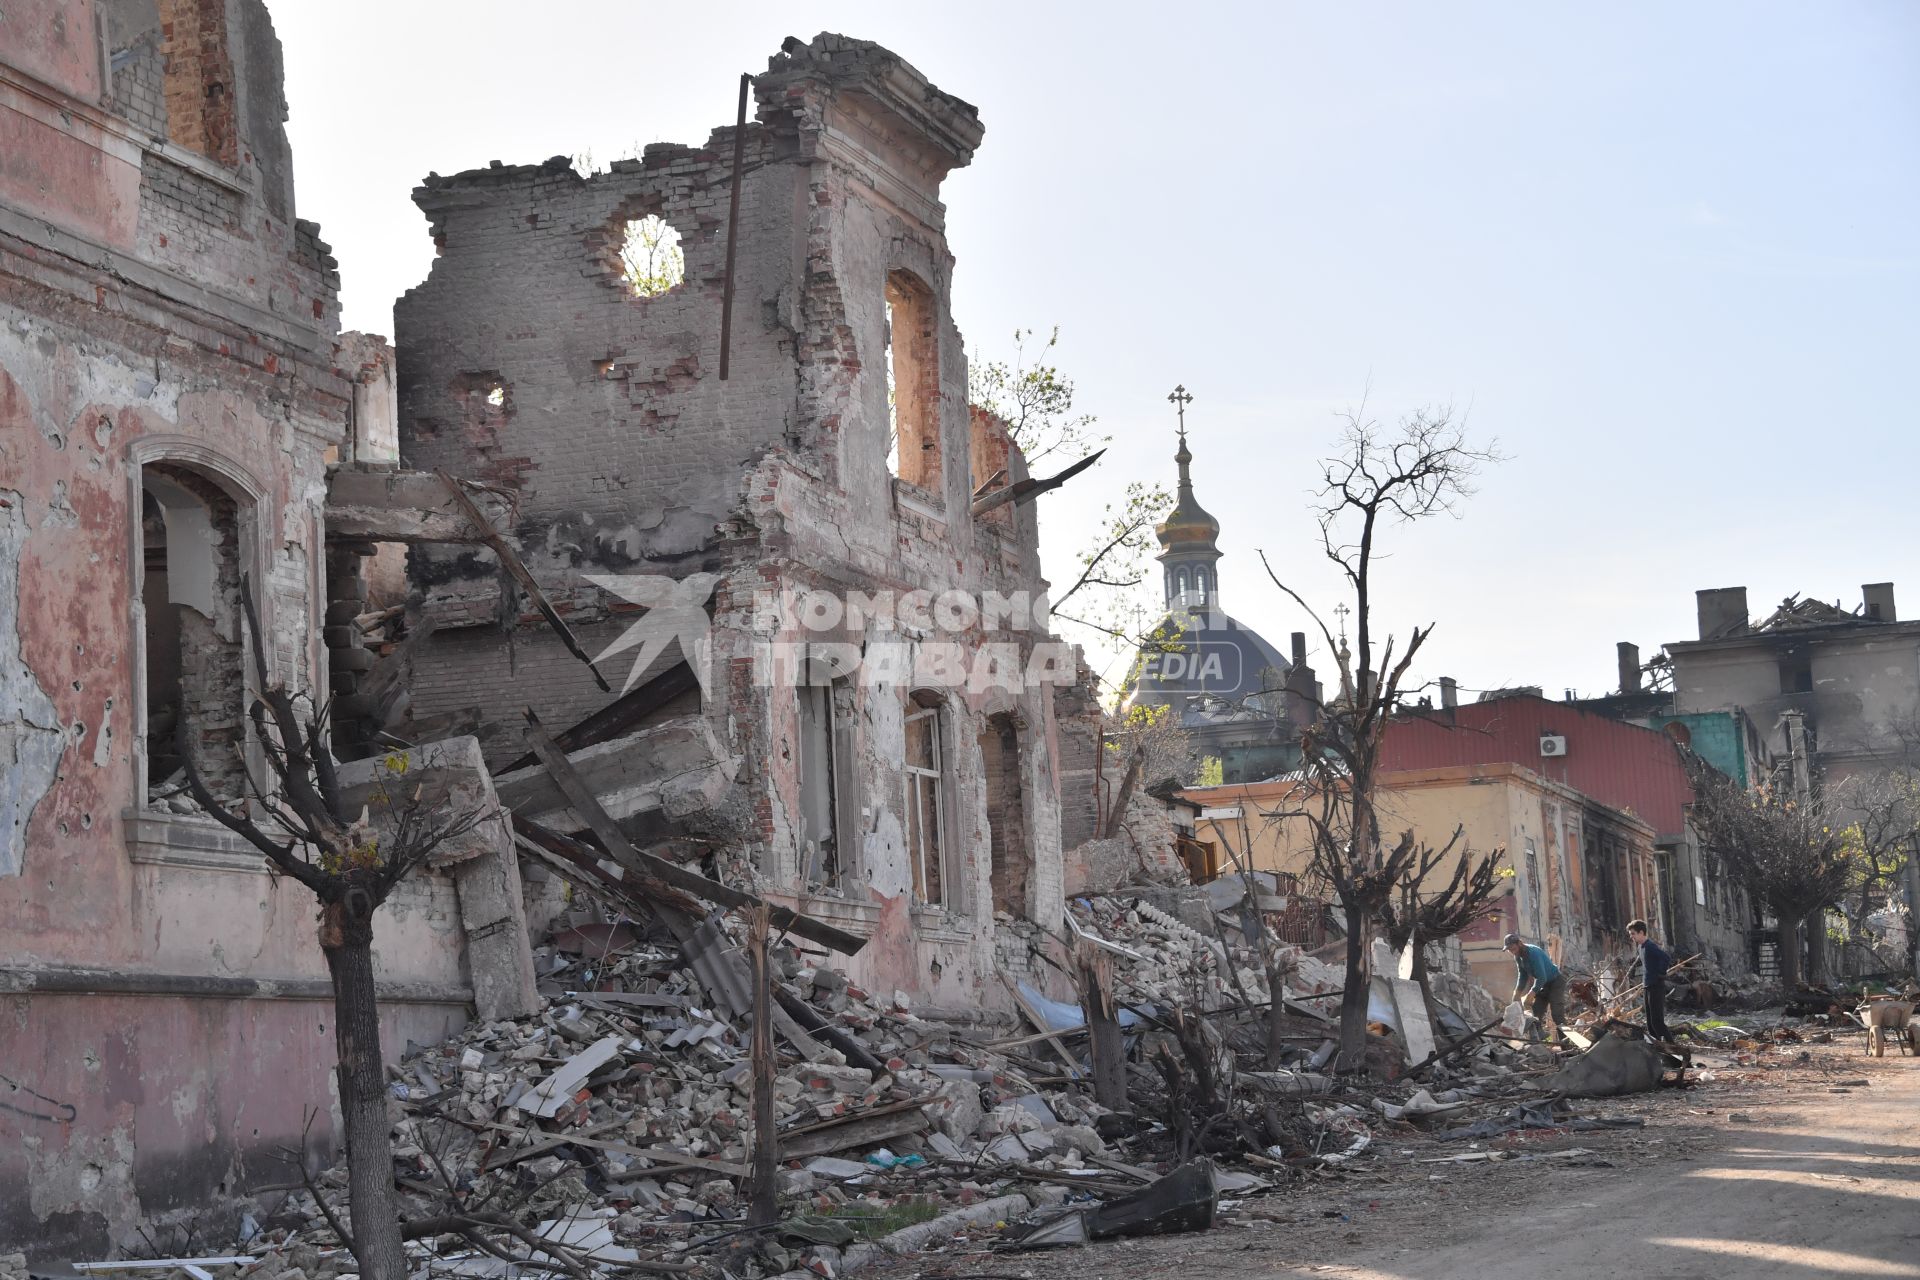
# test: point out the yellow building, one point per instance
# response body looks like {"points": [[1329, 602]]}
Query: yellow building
{"points": [[1579, 870]]}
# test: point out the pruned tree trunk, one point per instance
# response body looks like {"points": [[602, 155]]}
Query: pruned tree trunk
{"points": [[1816, 926], [1093, 973], [346, 938], [1277, 975], [763, 1205], [1124, 796], [1353, 998]]}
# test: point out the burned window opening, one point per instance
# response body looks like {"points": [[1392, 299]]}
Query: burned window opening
{"points": [[189, 593], [1009, 844], [913, 382], [823, 767], [651, 258], [926, 802]]}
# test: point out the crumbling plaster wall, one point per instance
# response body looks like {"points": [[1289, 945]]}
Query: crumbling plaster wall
{"points": [[162, 998], [524, 360]]}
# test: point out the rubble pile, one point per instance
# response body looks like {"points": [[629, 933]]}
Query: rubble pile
{"points": [[1172, 962], [612, 1131], [616, 1123]]}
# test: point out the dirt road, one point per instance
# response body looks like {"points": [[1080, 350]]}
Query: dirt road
{"points": [[1808, 1183], [1808, 1166]]}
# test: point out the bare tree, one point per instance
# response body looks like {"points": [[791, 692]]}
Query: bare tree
{"points": [[1789, 852], [305, 827], [1035, 400], [1376, 480], [1422, 910]]}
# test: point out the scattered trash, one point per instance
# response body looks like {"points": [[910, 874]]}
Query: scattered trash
{"points": [[1187, 1199]]}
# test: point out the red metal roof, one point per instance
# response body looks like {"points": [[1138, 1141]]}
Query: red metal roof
{"points": [[1618, 764]]}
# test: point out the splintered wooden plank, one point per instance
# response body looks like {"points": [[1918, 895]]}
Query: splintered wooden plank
{"points": [[510, 559]]}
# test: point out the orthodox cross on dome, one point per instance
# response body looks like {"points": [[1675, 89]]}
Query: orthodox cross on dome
{"points": [[1341, 611], [1180, 400]]}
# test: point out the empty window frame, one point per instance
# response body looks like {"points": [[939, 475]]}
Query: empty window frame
{"points": [[193, 677], [1009, 847], [913, 382], [926, 802], [826, 711]]}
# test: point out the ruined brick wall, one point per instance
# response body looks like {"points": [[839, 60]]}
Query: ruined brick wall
{"points": [[136, 63], [199, 83], [526, 360], [1076, 708]]}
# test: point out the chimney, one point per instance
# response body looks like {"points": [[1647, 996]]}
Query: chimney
{"points": [[1723, 611], [1299, 648], [1879, 601], [1629, 666], [1449, 692]]}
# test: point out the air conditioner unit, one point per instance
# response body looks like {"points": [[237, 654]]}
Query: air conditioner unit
{"points": [[1553, 744]]}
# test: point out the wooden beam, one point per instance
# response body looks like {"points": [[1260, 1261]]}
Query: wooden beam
{"points": [[677, 919], [620, 716], [659, 870], [1027, 490], [392, 505], [510, 559]]}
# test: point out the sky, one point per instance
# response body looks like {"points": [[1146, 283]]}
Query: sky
{"points": [[1667, 256]]}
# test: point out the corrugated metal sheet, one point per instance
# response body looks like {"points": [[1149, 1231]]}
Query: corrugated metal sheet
{"points": [[1618, 764]]}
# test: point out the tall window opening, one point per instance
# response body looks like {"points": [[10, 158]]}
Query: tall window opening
{"points": [[195, 673], [826, 715], [913, 382], [926, 803], [1010, 848]]}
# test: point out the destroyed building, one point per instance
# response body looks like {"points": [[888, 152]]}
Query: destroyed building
{"points": [[820, 567], [878, 743]]}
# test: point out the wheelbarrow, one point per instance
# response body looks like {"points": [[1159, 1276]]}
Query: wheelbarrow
{"points": [[1888, 1018]]}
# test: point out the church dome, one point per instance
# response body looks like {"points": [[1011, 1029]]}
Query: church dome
{"points": [[1188, 525], [1212, 667]]}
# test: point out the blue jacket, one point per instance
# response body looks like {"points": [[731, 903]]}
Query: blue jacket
{"points": [[1534, 966], [1655, 962]]}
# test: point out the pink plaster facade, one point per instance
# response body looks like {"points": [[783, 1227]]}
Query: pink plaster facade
{"points": [[164, 1018]]}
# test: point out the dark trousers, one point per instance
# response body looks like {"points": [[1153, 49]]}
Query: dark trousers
{"points": [[1554, 996], [1657, 1012]]}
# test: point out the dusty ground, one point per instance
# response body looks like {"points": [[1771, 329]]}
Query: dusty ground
{"points": [[1790, 1167]]}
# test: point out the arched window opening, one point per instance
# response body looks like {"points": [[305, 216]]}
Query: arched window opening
{"points": [[194, 676]]}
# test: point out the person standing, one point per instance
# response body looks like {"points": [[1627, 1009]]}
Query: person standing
{"points": [[1538, 972], [1654, 963]]}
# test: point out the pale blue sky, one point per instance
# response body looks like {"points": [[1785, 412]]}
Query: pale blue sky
{"points": [[1668, 254]]}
